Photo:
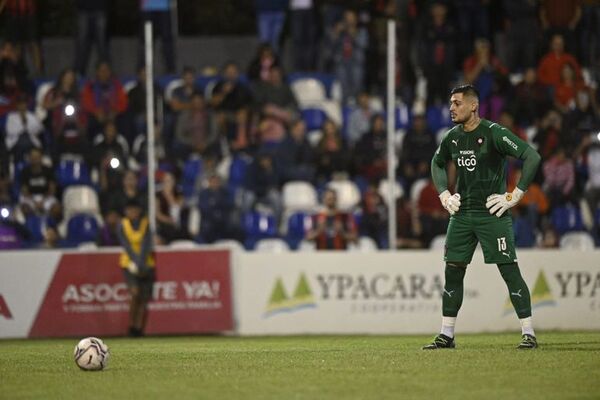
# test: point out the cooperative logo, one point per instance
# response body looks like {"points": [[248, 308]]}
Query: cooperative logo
{"points": [[280, 302], [541, 295]]}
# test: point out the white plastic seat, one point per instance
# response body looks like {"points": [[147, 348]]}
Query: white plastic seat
{"points": [[306, 246], [384, 190], [40, 95], [183, 244], [171, 86], [229, 244], [365, 245], [299, 196], [272, 246], [581, 241], [348, 194], [308, 90], [416, 188], [331, 108], [438, 242], [80, 199]]}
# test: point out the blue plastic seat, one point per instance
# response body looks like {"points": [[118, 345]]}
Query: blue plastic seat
{"points": [[313, 118], [237, 171], [567, 219], [73, 172], [258, 226], [82, 228], [298, 225], [191, 169]]}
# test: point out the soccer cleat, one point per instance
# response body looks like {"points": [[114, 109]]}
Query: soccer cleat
{"points": [[441, 341], [528, 342]]}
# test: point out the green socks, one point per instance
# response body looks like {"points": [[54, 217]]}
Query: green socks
{"points": [[453, 290], [517, 289]]}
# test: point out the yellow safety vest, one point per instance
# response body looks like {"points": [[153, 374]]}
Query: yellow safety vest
{"points": [[135, 239]]}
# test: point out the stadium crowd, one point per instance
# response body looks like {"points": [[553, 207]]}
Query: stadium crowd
{"points": [[245, 153]]}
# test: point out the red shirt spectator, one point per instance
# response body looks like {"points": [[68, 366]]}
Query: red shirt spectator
{"points": [[550, 67], [333, 228], [104, 97]]}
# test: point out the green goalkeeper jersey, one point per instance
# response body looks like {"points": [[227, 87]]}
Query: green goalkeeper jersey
{"points": [[480, 160]]}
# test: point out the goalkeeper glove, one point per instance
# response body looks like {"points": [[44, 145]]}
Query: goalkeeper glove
{"points": [[451, 202], [499, 203]]}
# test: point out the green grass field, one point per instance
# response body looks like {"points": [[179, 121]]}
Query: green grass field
{"points": [[566, 366]]}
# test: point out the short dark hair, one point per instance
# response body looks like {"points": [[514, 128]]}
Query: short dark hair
{"points": [[466, 89]]}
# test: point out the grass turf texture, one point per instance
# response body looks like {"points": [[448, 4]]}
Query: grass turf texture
{"points": [[566, 366]]}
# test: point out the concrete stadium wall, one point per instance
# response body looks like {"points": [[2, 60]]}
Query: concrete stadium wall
{"points": [[77, 293]]}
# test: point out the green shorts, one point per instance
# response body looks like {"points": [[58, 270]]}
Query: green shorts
{"points": [[495, 235]]}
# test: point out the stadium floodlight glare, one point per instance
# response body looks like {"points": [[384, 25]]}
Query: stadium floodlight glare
{"points": [[598, 136], [4, 213], [69, 110], [114, 163]]}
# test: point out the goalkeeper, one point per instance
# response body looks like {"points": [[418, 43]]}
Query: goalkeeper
{"points": [[478, 210]]}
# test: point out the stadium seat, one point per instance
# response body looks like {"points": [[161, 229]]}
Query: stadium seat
{"points": [[87, 246], [365, 245], [229, 244], [403, 117], [307, 246], [580, 241], [308, 90], [313, 118], [170, 88], [566, 219], [80, 199], [438, 117], [237, 171], [258, 226], [297, 225], [36, 226], [40, 94], [384, 190], [183, 244], [438, 242], [9, 237], [72, 172], [416, 188], [299, 196], [274, 245], [82, 228], [348, 195]]}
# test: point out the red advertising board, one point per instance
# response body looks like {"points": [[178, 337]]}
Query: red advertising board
{"points": [[88, 296]]}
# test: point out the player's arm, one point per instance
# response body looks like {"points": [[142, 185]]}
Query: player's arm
{"points": [[510, 144], [451, 202], [146, 249]]}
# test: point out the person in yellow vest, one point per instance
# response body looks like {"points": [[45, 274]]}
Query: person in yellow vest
{"points": [[137, 262]]}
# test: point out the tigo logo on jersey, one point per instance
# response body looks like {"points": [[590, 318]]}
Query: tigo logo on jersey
{"points": [[468, 162], [281, 302], [540, 296]]}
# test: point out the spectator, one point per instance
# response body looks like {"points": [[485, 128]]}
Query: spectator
{"points": [[521, 30], [482, 69], [349, 43], [103, 99], [550, 134], [582, 120], [260, 66], [262, 184], [437, 53], [473, 22], [52, 239], [139, 149], [277, 106], [296, 156], [406, 225], [592, 190], [561, 17], [531, 99], [231, 100], [38, 187], [534, 203], [359, 121], [181, 98], [216, 208], [110, 156], [371, 151], [304, 34], [331, 155], [333, 229], [559, 178], [418, 147], [23, 131], [21, 28], [91, 30], [270, 17], [431, 215], [5, 178], [159, 13], [196, 129], [551, 65], [13, 77], [65, 118], [566, 90], [108, 235], [169, 210], [507, 120], [137, 101], [373, 222], [129, 190]]}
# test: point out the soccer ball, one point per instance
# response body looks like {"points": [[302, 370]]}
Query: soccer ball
{"points": [[91, 354]]}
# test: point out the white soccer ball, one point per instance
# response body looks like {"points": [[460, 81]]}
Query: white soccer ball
{"points": [[91, 354]]}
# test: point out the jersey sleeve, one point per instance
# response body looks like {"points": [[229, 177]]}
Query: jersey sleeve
{"points": [[507, 143]]}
